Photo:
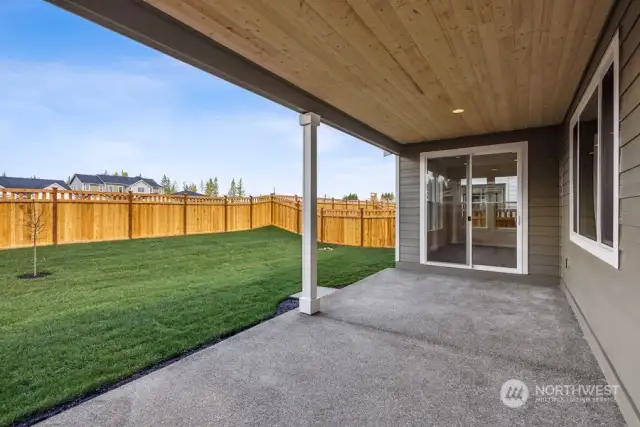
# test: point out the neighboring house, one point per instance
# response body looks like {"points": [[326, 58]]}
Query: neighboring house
{"points": [[114, 184], [189, 193], [7, 182]]}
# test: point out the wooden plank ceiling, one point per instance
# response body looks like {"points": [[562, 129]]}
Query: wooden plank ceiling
{"points": [[402, 66]]}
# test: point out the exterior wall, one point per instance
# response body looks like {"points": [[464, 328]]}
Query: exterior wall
{"points": [[544, 201], [609, 298], [54, 185], [134, 187], [116, 188], [76, 184], [409, 209]]}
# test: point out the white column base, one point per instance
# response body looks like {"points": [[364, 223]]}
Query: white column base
{"points": [[309, 306]]}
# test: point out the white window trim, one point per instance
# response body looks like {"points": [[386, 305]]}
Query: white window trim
{"points": [[86, 187], [610, 255]]}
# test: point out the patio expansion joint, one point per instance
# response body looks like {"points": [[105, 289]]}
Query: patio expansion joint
{"points": [[446, 346]]}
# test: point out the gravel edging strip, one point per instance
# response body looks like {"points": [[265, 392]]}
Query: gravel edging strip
{"points": [[284, 306]]}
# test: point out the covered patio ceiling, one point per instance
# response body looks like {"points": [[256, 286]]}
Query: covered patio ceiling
{"points": [[388, 71], [402, 67]]}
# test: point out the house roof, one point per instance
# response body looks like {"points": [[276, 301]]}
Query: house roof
{"points": [[189, 193], [30, 183], [120, 180], [88, 179], [112, 179]]}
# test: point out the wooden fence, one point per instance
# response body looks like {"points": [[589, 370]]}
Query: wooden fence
{"points": [[84, 216]]}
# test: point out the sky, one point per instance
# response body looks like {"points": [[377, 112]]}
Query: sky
{"points": [[77, 98]]}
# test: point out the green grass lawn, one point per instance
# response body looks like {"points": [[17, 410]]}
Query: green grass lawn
{"points": [[113, 308]]}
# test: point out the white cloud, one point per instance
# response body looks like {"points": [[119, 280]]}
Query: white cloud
{"points": [[160, 117]]}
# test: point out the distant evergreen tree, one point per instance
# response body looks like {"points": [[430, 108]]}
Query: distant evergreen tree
{"points": [[216, 188], [123, 173], [233, 190], [240, 189], [4, 174], [387, 197], [202, 186], [350, 196], [208, 188], [165, 183]]}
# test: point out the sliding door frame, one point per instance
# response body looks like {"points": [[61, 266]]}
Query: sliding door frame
{"points": [[521, 148]]}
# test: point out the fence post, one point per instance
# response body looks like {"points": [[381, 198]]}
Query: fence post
{"points": [[297, 215], [250, 212], [361, 226], [184, 210], [130, 197], [333, 203], [225, 213], [273, 205], [322, 224], [54, 216]]}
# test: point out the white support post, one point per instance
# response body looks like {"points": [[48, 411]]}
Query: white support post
{"points": [[309, 302]]}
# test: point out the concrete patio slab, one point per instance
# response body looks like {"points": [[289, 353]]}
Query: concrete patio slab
{"points": [[323, 291], [398, 348]]}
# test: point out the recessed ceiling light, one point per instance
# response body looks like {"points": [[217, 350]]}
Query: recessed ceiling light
{"points": [[494, 169], [458, 111]]}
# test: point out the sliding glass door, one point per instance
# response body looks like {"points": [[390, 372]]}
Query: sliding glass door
{"points": [[495, 210], [472, 208], [446, 211]]}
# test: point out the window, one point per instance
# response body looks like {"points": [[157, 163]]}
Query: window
{"points": [[101, 187], [120, 189], [110, 188], [594, 157], [140, 189], [86, 187]]}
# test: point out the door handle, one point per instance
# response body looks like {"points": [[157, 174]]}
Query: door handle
{"points": [[468, 219]]}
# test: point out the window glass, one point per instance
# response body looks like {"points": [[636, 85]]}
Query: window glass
{"points": [[587, 163], [607, 159]]}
